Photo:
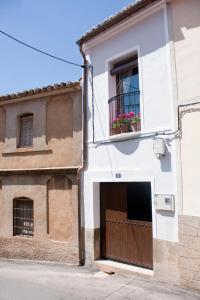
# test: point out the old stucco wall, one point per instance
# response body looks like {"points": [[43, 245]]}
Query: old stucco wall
{"points": [[63, 209], [56, 132], [190, 149], [189, 222], [186, 27], [60, 219]]}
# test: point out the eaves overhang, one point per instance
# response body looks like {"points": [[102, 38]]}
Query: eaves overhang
{"points": [[115, 19]]}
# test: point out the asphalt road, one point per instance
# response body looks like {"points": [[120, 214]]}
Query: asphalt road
{"points": [[30, 280]]}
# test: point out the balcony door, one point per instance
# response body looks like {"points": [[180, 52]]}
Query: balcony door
{"points": [[127, 85], [124, 108]]}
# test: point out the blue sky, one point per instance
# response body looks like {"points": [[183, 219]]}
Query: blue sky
{"points": [[53, 26]]}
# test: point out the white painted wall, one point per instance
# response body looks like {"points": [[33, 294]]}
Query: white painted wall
{"points": [[134, 158]]}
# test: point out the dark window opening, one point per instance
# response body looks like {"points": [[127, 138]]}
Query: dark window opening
{"points": [[26, 130], [23, 224], [139, 201]]}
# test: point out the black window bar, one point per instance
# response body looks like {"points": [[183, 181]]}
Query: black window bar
{"points": [[124, 109], [23, 223]]}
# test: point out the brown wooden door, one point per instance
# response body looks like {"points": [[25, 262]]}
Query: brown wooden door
{"points": [[122, 238]]}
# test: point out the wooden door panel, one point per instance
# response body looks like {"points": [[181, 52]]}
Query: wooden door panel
{"points": [[122, 239], [147, 248], [112, 244], [133, 253]]}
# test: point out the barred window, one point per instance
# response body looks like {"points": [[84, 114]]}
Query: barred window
{"points": [[23, 224], [26, 130]]}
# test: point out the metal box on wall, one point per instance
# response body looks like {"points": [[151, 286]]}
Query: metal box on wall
{"points": [[164, 202]]}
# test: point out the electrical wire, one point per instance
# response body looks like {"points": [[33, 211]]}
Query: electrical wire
{"points": [[153, 134], [178, 130], [41, 51]]}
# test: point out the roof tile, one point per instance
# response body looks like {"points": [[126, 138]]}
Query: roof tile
{"points": [[62, 85]]}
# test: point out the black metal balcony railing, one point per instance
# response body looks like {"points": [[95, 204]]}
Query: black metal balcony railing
{"points": [[124, 110]]}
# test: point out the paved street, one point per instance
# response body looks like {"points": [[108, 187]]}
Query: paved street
{"points": [[27, 281]]}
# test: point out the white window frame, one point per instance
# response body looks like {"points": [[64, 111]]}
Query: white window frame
{"points": [[111, 82]]}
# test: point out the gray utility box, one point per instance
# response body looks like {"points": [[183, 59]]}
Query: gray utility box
{"points": [[164, 202]]}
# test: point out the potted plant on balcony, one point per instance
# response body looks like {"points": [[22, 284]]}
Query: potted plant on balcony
{"points": [[138, 122], [116, 126], [124, 122], [135, 121], [132, 121]]}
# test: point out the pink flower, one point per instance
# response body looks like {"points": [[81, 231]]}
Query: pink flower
{"points": [[131, 114]]}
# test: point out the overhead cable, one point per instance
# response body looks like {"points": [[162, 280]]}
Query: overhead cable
{"points": [[41, 51]]}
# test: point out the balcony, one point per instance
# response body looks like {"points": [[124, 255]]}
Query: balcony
{"points": [[124, 111]]}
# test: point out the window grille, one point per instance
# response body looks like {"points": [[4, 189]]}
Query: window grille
{"points": [[23, 224], [26, 130]]}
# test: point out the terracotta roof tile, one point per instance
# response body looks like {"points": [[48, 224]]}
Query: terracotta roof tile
{"points": [[57, 86], [114, 19]]}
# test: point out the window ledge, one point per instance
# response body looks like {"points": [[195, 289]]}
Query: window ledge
{"points": [[27, 150], [122, 136]]}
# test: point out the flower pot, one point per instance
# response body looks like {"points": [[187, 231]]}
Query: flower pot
{"points": [[124, 128], [133, 127], [138, 126], [116, 130]]}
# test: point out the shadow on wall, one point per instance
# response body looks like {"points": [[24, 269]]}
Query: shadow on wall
{"points": [[127, 147], [29, 153], [163, 213], [165, 161], [185, 16], [24, 180], [59, 118], [59, 182]]}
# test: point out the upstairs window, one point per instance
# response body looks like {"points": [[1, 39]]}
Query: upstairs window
{"points": [[125, 106], [23, 217], [26, 130]]}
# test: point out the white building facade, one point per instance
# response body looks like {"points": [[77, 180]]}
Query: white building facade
{"points": [[131, 82]]}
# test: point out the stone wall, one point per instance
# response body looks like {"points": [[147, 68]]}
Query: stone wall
{"points": [[42, 250], [189, 251], [179, 263]]}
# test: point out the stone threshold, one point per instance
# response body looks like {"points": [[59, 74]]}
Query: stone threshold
{"points": [[109, 266]]}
